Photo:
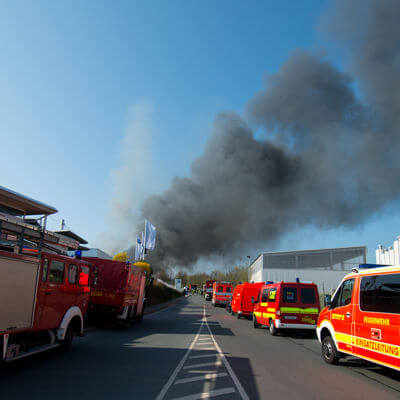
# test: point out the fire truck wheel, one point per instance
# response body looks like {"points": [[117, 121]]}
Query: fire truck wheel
{"points": [[139, 318], [328, 350], [69, 336], [272, 330], [239, 316], [255, 323]]}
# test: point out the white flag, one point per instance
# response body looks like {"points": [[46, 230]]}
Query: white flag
{"points": [[138, 248], [150, 235]]}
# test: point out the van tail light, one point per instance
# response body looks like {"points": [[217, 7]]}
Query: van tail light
{"points": [[278, 312]]}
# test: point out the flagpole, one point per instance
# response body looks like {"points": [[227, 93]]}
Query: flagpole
{"points": [[144, 239]]}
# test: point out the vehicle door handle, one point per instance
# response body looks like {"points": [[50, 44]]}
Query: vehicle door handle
{"points": [[348, 314]]}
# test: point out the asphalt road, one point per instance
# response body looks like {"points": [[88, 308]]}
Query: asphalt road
{"points": [[188, 352]]}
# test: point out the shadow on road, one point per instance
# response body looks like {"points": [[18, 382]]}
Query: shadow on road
{"points": [[243, 369]]}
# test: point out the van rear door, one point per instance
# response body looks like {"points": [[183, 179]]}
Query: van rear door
{"points": [[289, 304], [309, 304]]}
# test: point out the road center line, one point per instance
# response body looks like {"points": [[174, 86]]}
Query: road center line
{"points": [[204, 356], [227, 365], [207, 364], [171, 379], [200, 378]]}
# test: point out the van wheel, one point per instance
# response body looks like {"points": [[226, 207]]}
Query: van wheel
{"points": [[255, 323], [239, 316], [272, 330], [328, 350], [68, 338]]}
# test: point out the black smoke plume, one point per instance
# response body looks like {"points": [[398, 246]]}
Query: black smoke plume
{"points": [[329, 156]]}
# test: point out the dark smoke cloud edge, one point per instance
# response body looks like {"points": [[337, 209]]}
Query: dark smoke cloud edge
{"points": [[325, 160]]}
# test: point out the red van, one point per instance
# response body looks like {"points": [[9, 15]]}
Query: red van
{"points": [[222, 293], [242, 304], [363, 317], [287, 305]]}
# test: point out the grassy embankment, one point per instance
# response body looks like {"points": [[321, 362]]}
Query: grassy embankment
{"points": [[160, 293]]}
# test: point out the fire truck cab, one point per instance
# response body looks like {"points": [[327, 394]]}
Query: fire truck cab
{"points": [[362, 318], [287, 305], [222, 293], [44, 294]]}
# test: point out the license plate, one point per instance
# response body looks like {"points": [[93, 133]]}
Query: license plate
{"points": [[290, 317]]}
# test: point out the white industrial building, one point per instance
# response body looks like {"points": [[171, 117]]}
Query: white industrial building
{"points": [[325, 267], [391, 255]]}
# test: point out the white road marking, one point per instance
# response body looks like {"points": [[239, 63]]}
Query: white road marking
{"points": [[205, 348], [171, 379], [207, 395], [228, 366], [200, 378], [207, 364], [205, 355]]}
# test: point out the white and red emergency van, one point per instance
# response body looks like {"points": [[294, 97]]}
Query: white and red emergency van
{"points": [[242, 304], [222, 293], [208, 289], [287, 305], [363, 317]]}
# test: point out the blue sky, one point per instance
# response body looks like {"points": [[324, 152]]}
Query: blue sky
{"points": [[72, 71]]}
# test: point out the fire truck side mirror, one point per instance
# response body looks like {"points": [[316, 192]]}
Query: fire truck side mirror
{"points": [[328, 301], [252, 300]]}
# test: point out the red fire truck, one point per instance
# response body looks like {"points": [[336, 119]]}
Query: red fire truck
{"points": [[222, 293], [208, 289], [363, 317], [242, 304], [44, 295], [287, 305], [117, 290]]}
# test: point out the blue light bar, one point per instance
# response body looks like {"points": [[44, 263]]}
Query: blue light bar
{"points": [[367, 266]]}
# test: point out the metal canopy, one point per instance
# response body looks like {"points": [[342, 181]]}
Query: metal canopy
{"points": [[72, 235], [19, 205]]}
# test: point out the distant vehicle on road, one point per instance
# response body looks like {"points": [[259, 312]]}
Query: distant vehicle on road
{"points": [[363, 317], [287, 305], [208, 289], [222, 293], [242, 304], [117, 290]]}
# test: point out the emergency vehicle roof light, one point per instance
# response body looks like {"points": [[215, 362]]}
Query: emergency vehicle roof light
{"points": [[269, 282], [297, 280], [366, 266], [355, 270]]}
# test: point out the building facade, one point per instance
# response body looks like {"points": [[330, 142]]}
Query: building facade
{"points": [[390, 255], [325, 267]]}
